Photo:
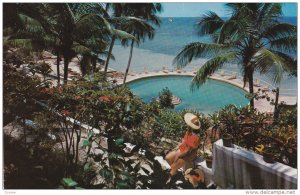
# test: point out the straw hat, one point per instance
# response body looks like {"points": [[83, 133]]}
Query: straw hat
{"points": [[192, 120]]}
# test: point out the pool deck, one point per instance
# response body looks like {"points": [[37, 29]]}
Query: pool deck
{"points": [[262, 105]]}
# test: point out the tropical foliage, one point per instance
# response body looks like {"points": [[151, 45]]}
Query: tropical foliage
{"points": [[67, 29]]}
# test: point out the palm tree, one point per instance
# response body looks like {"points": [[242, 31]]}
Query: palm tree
{"points": [[24, 27], [68, 28], [117, 12], [140, 29], [119, 18], [253, 37], [35, 27], [80, 28]]}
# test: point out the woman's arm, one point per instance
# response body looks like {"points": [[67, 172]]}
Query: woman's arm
{"points": [[177, 147]]}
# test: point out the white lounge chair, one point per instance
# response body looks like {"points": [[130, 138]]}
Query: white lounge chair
{"points": [[257, 83], [222, 73], [145, 71], [233, 76]]}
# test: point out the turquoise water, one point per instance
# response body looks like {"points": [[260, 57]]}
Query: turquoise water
{"points": [[210, 97]]}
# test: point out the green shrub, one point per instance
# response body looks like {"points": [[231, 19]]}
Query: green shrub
{"points": [[165, 98], [169, 124]]}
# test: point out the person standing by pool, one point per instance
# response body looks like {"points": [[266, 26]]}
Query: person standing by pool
{"points": [[186, 151]]}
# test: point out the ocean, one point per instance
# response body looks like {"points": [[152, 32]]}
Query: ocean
{"points": [[172, 35]]}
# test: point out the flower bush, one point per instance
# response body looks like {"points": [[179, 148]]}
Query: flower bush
{"points": [[251, 129]]}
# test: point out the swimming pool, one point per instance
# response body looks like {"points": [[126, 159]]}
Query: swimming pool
{"points": [[210, 97]]}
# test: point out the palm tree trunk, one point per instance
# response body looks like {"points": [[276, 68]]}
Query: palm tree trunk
{"points": [[24, 131], [109, 53], [251, 88], [129, 61], [94, 63], [276, 111], [57, 62], [83, 65], [66, 66]]}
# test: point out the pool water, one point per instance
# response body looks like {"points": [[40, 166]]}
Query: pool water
{"points": [[210, 97]]}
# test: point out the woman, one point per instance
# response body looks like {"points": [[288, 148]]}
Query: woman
{"points": [[187, 150]]}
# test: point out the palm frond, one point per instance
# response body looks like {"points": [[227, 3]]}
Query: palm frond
{"points": [[50, 41], [196, 50], [139, 28], [20, 43], [235, 7], [286, 44], [279, 30], [211, 66], [81, 49], [233, 30], [263, 12], [123, 20], [31, 25], [105, 54], [266, 59], [123, 35], [97, 21], [290, 64], [101, 9], [272, 14], [209, 23]]}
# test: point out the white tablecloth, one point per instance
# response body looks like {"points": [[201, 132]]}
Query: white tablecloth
{"points": [[242, 169]]}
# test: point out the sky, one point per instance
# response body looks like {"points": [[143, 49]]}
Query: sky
{"points": [[195, 9]]}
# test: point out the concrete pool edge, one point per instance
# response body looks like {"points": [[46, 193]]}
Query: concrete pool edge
{"points": [[190, 75], [261, 105]]}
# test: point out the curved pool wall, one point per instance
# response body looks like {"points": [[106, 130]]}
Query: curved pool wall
{"points": [[210, 97]]}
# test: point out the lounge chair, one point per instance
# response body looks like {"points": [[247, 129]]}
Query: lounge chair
{"points": [[131, 74], [256, 84], [178, 70], [164, 70], [222, 73], [233, 76], [265, 89], [145, 71]]}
